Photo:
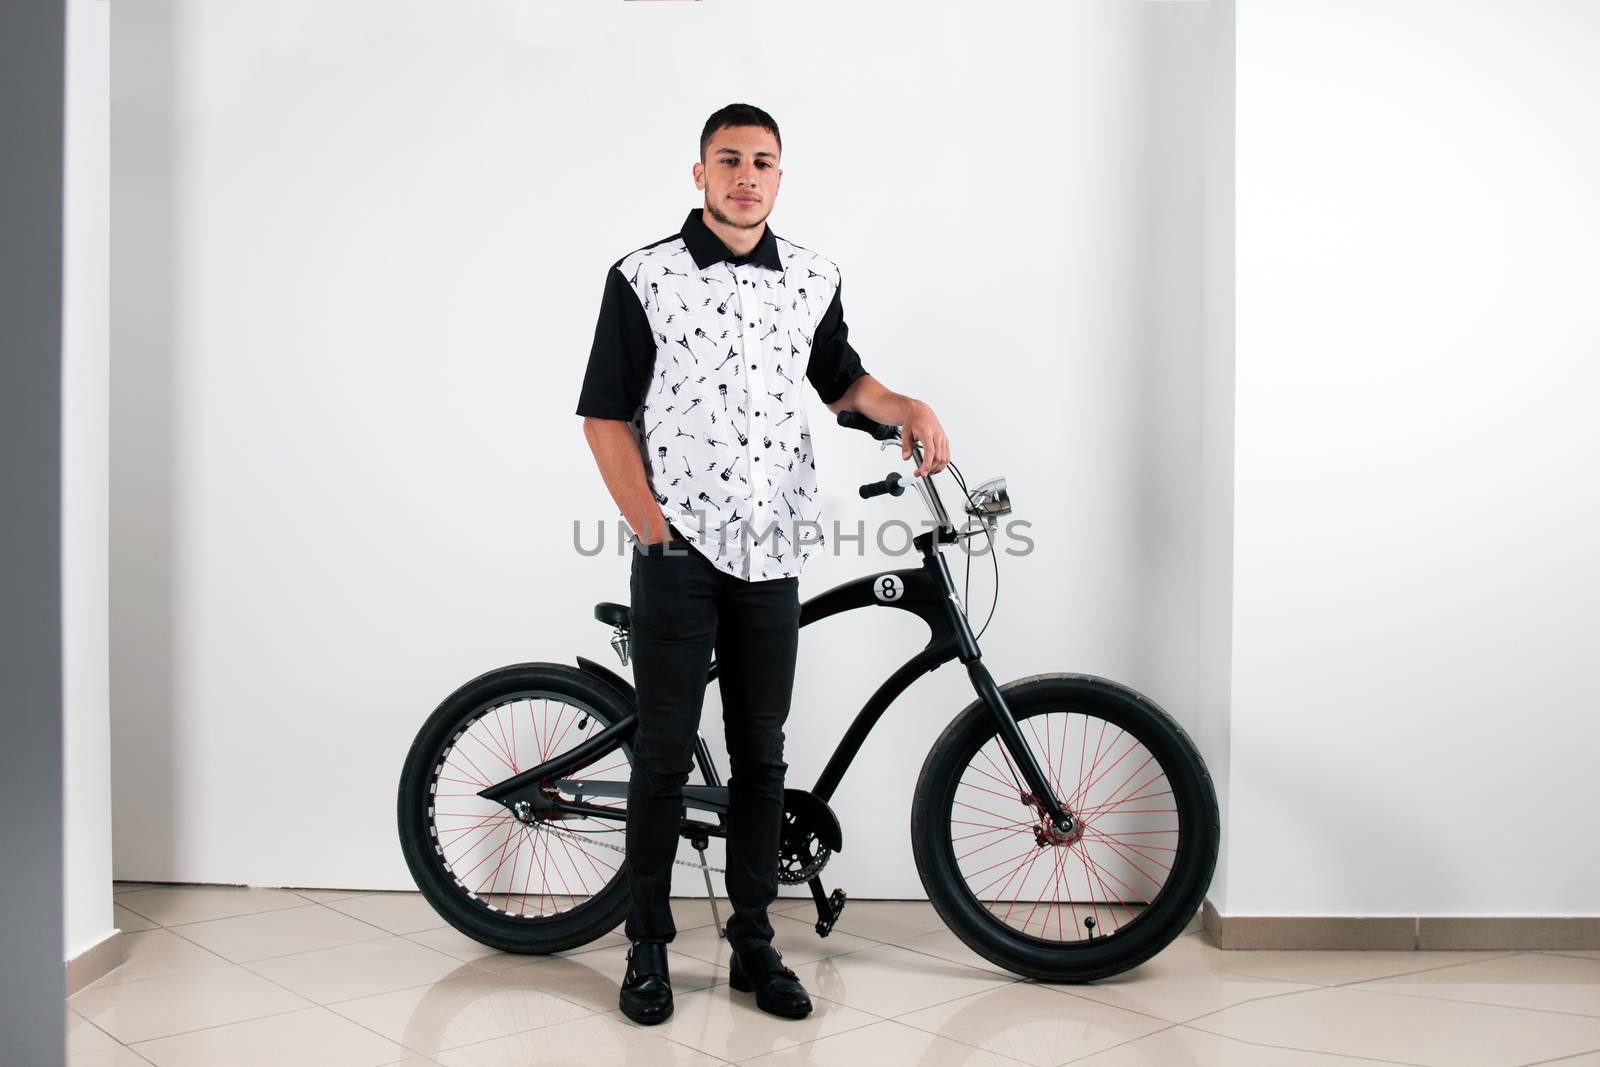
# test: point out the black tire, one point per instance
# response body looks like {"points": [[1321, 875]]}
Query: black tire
{"points": [[1087, 955], [434, 848]]}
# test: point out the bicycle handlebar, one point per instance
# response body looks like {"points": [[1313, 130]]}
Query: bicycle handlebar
{"points": [[890, 485], [854, 420]]}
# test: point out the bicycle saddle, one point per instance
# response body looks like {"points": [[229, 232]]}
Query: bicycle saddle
{"points": [[612, 614]]}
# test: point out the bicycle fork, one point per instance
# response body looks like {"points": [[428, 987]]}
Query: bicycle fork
{"points": [[1063, 820], [1044, 797]]}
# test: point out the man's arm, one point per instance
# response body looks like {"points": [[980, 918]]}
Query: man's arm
{"points": [[916, 420], [619, 368], [616, 453]]}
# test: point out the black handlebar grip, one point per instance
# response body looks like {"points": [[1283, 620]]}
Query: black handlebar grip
{"points": [[889, 485], [854, 420]]}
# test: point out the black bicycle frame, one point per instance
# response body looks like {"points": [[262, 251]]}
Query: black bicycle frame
{"points": [[927, 592]]}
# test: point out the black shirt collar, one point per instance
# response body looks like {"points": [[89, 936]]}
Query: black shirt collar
{"points": [[707, 248]]}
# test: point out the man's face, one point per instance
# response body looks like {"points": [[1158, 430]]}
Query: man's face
{"points": [[740, 175]]}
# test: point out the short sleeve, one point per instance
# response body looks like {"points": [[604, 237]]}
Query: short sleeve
{"points": [[622, 356], [834, 364]]}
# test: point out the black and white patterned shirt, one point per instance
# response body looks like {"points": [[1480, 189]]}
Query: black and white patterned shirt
{"points": [[703, 352]]}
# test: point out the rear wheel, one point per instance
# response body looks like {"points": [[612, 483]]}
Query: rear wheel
{"points": [[518, 887], [1092, 902]]}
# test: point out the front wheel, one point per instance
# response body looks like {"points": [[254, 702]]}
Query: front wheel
{"points": [[1076, 906]]}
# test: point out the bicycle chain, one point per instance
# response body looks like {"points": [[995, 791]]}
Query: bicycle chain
{"points": [[618, 848]]}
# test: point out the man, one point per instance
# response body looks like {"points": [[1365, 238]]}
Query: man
{"points": [[692, 406]]}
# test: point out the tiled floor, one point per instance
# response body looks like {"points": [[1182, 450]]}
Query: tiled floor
{"points": [[315, 978]]}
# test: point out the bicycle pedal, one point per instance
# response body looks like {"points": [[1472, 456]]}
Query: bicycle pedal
{"points": [[835, 906]]}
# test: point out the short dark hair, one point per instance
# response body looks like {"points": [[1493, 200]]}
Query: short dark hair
{"points": [[737, 115]]}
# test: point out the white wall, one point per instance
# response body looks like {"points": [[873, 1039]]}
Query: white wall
{"points": [[1417, 509], [1214, 660], [362, 259], [85, 373]]}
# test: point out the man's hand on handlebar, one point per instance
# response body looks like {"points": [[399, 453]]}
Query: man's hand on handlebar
{"points": [[924, 428]]}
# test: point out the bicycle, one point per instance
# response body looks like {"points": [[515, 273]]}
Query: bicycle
{"points": [[1097, 888]]}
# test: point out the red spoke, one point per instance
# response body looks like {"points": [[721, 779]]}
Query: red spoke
{"points": [[485, 837], [991, 830], [463, 781], [550, 736], [536, 723], [592, 858], [992, 866], [1012, 906], [577, 872], [494, 875], [980, 848], [1045, 767], [1137, 849], [1112, 842], [505, 743], [1132, 776], [1073, 800], [1083, 749], [1102, 870], [1010, 787], [1022, 869], [1055, 861], [1065, 719], [1026, 859], [1053, 891], [463, 753], [461, 830], [1016, 779], [986, 811], [1096, 779], [467, 852], [544, 875], [1090, 878], [1096, 811], [991, 792], [1113, 847], [511, 883], [556, 747], [603, 770], [1148, 811], [478, 735], [511, 879]]}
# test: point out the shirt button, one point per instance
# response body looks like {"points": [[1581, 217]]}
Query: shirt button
{"points": [[753, 367], [758, 459]]}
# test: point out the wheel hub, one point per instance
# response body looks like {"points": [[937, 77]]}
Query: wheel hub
{"points": [[1050, 834]]}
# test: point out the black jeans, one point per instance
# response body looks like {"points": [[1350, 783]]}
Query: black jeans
{"points": [[682, 609]]}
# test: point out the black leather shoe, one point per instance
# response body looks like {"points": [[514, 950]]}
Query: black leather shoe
{"points": [[646, 995], [778, 990]]}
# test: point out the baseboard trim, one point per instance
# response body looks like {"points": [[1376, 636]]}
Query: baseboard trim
{"points": [[96, 962], [1426, 933]]}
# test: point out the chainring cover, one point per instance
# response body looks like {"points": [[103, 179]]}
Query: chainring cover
{"points": [[811, 835]]}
